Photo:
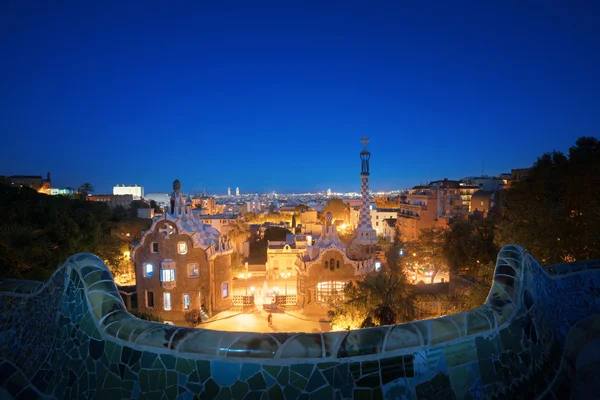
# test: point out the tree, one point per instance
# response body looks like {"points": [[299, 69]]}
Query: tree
{"points": [[294, 221], [468, 245], [338, 209], [300, 208], [238, 232], [382, 298], [475, 295], [555, 212], [384, 202], [428, 250], [276, 233], [134, 206], [111, 250], [86, 189], [22, 249]]}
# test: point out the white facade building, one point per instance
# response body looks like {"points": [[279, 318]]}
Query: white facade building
{"points": [[135, 190]]}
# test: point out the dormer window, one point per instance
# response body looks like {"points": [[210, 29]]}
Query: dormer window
{"points": [[154, 247], [148, 270], [182, 248]]}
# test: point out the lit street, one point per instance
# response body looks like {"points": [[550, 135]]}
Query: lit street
{"points": [[256, 321]]}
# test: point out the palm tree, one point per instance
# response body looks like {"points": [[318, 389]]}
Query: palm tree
{"points": [[238, 231], [86, 189], [22, 249]]}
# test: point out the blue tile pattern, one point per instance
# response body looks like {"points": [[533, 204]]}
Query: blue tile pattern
{"points": [[536, 337]]}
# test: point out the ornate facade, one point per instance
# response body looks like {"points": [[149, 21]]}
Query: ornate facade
{"points": [[329, 264], [182, 264]]}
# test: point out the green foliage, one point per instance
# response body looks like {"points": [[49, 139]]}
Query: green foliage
{"points": [[555, 212], [86, 189], [384, 202], [275, 233], [300, 208], [476, 294], [22, 249], [469, 244], [339, 210], [134, 206], [238, 230], [39, 232], [144, 315], [428, 250], [272, 217], [381, 298]]}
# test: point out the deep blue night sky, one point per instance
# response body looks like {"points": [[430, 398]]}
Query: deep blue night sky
{"points": [[267, 97]]}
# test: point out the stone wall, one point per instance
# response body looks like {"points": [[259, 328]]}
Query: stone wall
{"points": [[536, 337]]}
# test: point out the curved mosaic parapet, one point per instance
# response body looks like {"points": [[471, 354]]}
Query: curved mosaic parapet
{"points": [[71, 337]]}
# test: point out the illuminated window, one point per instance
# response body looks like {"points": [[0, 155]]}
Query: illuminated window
{"points": [[187, 302], [167, 271], [154, 247], [182, 248], [330, 291], [149, 299], [148, 270], [194, 270], [167, 300], [225, 289], [167, 275]]}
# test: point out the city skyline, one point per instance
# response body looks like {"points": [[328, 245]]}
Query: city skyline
{"points": [[277, 98]]}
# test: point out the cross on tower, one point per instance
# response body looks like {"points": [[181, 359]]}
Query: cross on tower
{"points": [[364, 140]]}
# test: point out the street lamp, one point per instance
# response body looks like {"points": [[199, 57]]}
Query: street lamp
{"points": [[285, 275], [245, 277]]}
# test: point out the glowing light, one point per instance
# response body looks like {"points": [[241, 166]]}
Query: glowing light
{"points": [[127, 254], [377, 266], [252, 289]]}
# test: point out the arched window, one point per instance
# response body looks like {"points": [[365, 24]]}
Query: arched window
{"points": [[331, 264], [337, 264], [326, 265]]}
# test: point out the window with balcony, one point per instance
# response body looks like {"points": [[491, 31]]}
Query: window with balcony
{"points": [[187, 302], [194, 270], [167, 301], [167, 274], [148, 270], [182, 248], [154, 247]]}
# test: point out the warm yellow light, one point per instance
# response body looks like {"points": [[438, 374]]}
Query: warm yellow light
{"points": [[343, 226], [252, 289], [127, 254]]}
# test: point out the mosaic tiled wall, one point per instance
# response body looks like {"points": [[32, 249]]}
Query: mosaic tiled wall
{"points": [[537, 336]]}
